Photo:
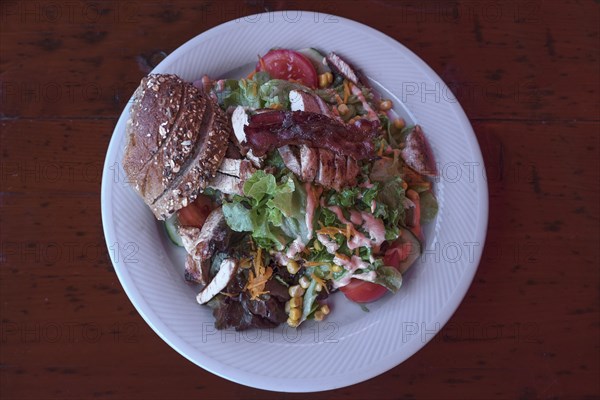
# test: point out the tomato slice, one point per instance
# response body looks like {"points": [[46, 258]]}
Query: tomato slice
{"points": [[196, 213], [397, 253], [289, 65], [362, 291]]}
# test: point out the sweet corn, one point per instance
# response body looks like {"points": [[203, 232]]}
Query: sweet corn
{"points": [[399, 123], [319, 316], [295, 302], [295, 314], [292, 267], [325, 79], [317, 245], [343, 109], [318, 287], [325, 309], [304, 282], [336, 268], [296, 291], [293, 323], [385, 105]]}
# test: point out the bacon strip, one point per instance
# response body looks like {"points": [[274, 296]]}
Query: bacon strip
{"points": [[270, 130]]}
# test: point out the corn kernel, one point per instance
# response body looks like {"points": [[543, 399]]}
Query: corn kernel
{"points": [[288, 306], [325, 79], [296, 291], [318, 287], [399, 123], [343, 109], [385, 105], [325, 309], [317, 245], [295, 302], [292, 267], [293, 323], [319, 316], [336, 268], [295, 313], [304, 282]]}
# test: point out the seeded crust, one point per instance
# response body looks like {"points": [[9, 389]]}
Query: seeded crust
{"points": [[176, 139], [208, 155], [155, 109]]}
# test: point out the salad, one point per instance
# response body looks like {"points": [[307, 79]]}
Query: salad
{"points": [[322, 188]]}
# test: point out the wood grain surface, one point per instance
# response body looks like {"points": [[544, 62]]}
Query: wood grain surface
{"points": [[526, 73]]}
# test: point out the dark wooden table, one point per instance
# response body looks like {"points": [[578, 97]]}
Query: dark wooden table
{"points": [[527, 74]]}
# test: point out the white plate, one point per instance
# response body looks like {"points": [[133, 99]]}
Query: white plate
{"points": [[351, 345]]}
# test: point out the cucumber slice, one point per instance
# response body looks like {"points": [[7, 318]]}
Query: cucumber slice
{"points": [[417, 249], [316, 58], [171, 228], [429, 206]]}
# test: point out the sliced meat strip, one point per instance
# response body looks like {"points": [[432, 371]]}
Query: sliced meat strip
{"points": [[219, 282], [231, 176], [352, 171], [291, 158], [269, 130], [201, 244], [326, 174], [302, 101], [341, 67], [309, 162], [417, 154], [339, 180]]}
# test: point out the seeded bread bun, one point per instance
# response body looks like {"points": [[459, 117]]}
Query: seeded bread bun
{"points": [[176, 138]]}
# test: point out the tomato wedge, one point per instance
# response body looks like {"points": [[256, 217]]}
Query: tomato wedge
{"points": [[196, 213], [366, 292], [398, 252], [362, 291], [289, 65]]}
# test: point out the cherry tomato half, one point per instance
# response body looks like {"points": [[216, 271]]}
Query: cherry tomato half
{"points": [[396, 253], [289, 65], [362, 291], [196, 213]]}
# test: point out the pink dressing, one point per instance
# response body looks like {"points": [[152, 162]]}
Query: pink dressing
{"points": [[371, 115], [295, 247], [374, 226], [351, 265]]}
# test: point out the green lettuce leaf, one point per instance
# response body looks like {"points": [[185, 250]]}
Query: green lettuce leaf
{"points": [[277, 92], [274, 213]]}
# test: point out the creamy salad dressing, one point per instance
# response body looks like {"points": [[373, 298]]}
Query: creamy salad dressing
{"points": [[351, 265], [330, 245], [296, 247], [373, 226]]}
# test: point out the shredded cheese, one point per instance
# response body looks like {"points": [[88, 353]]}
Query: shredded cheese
{"points": [[320, 282], [331, 231], [258, 278], [338, 99], [380, 152], [315, 263], [346, 91], [342, 257]]}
